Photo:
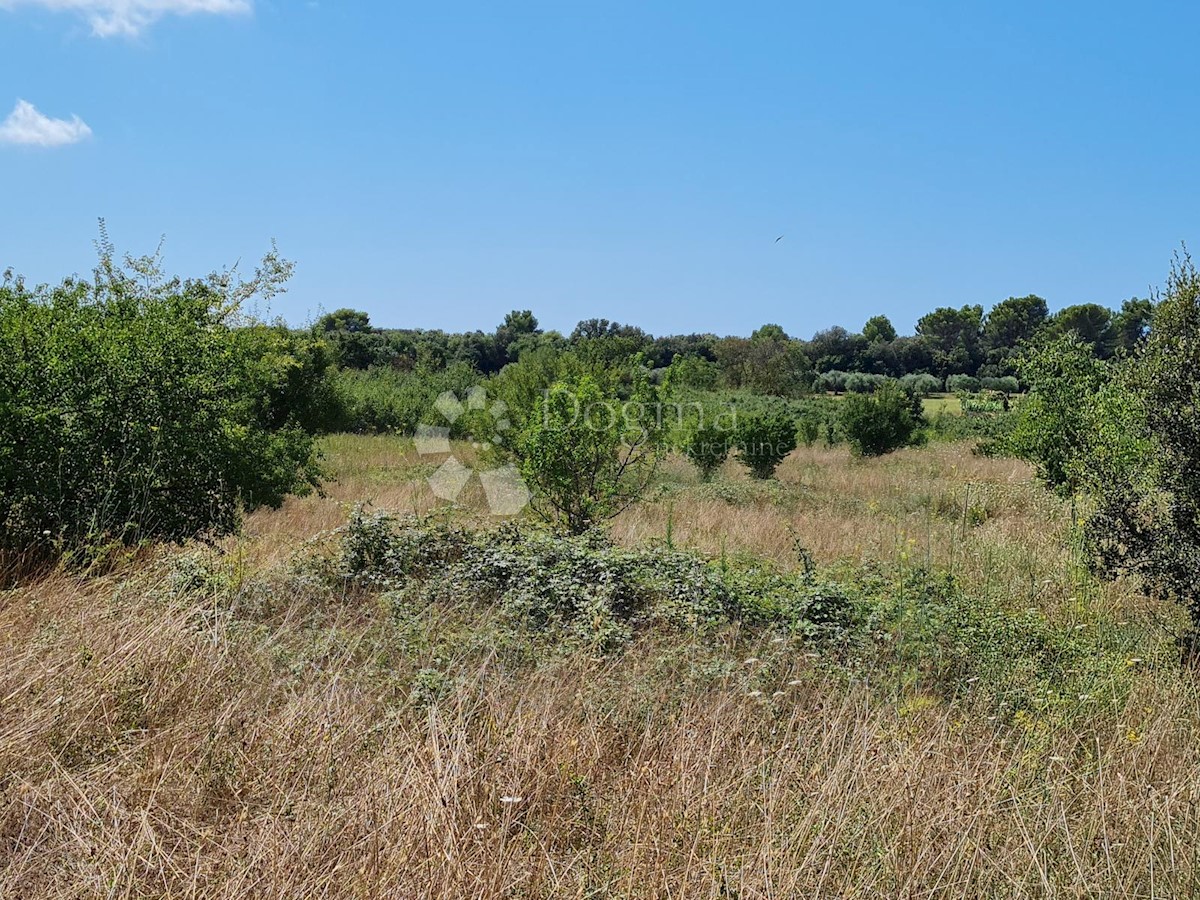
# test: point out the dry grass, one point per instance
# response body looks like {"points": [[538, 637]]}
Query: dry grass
{"points": [[178, 744]]}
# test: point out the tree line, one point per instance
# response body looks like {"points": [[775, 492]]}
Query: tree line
{"points": [[947, 342]]}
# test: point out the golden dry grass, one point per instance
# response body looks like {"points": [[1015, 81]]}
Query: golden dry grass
{"points": [[159, 743]]}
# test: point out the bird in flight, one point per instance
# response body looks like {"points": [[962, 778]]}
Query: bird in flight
{"points": [[778, 239]]}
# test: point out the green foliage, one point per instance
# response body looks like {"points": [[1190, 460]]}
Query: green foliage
{"points": [[392, 400], [1142, 461], [954, 337], [583, 589], [957, 383], [922, 385], [764, 440], [769, 363], [134, 408], [707, 445], [879, 328], [1006, 384], [1054, 425], [588, 453], [863, 383], [1011, 325], [878, 423], [1089, 323]]}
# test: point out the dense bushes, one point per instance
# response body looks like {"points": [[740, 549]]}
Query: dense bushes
{"points": [[582, 588], [383, 400], [133, 408]]}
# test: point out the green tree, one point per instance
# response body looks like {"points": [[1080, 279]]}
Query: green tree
{"points": [[588, 454], [707, 446], [880, 422], [1054, 424], [879, 329], [1142, 465], [1090, 323], [954, 339], [1131, 324], [1010, 325]]}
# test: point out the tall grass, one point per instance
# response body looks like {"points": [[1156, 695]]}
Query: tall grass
{"points": [[229, 725]]}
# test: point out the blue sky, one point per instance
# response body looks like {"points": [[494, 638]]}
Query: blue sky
{"points": [[438, 164]]}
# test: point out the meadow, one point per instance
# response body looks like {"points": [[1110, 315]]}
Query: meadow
{"points": [[265, 717]]}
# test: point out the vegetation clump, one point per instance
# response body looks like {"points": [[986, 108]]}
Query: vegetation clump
{"points": [[135, 407], [764, 440], [881, 422]]}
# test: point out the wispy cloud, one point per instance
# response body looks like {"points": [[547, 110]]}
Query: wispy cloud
{"points": [[130, 17], [25, 125]]}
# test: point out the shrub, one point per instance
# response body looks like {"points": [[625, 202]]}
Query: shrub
{"points": [[764, 440], [921, 383], [863, 382], [390, 400], [1053, 427], [707, 445], [832, 381], [133, 408], [583, 589], [879, 423], [587, 454], [1141, 459]]}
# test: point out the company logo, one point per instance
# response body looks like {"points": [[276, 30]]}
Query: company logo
{"points": [[505, 489]]}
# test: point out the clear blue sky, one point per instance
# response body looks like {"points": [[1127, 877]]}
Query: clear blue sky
{"points": [[438, 164]]}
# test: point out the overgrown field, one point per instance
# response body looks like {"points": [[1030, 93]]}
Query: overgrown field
{"points": [[868, 677]]}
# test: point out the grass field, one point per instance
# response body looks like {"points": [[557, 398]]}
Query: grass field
{"points": [[221, 722]]}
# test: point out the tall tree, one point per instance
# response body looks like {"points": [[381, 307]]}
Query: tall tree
{"points": [[1090, 323], [1011, 324], [879, 329], [954, 339]]}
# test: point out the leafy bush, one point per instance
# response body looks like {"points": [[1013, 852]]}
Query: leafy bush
{"points": [[879, 423], [956, 383], [863, 382], [707, 445], [833, 381], [1140, 461], [1054, 427], [134, 408], [764, 441], [391, 400], [586, 453], [922, 384], [583, 589]]}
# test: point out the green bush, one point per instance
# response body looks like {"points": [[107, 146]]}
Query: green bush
{"points": [[583, 589], [922, 384], [707, 445], [863, 382], [879, 423], [391, 400], [1006, 384], [586, 453], [134, 408], [1140, 461], [764, 440], [956, 383]]}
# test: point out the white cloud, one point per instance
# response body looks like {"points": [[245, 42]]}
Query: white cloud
{"points": [[130, 17], [28, 126]]}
